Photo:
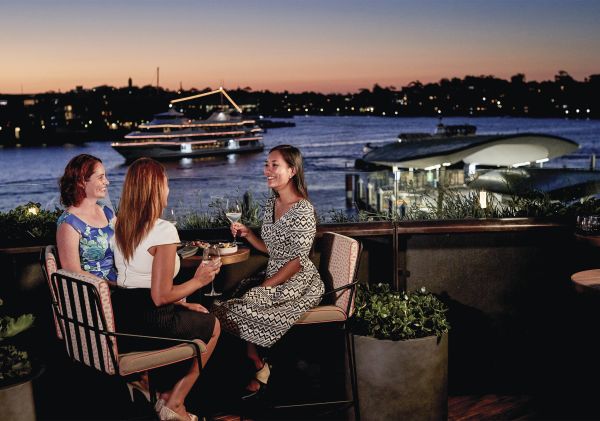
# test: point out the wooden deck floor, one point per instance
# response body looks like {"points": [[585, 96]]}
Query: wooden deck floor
{"points": [[490, 407], [474, 407]]}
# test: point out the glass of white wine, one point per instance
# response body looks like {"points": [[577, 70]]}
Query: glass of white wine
{"points": [[214, 261], [170, 215], [233, 212]]}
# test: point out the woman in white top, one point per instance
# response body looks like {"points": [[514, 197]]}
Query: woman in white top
{"points": [[148, 302]]}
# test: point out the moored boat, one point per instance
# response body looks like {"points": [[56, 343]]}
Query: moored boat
{"points": [[171, 135]]}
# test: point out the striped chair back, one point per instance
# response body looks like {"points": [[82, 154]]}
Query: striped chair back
{"points": [[338, 266], [85, 316], [50, 265]]}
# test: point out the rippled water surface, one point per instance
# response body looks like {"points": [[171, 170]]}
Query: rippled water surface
{"points": [[329, 144]]}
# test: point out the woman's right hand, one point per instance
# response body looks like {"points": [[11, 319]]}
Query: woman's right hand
{"points": [[237, 228], [206, 272]]}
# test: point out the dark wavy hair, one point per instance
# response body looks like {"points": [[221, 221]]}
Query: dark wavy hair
{"points": [[292, 156], [78, 170]]}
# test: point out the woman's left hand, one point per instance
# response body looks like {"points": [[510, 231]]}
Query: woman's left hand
{"points": [[194, 307]]}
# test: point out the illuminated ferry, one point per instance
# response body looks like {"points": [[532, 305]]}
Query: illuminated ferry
{"points": [[171, 135]]}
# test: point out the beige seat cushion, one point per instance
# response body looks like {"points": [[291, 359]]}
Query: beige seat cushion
{"points": [[322, 314], [587, 278], [134, 362]]}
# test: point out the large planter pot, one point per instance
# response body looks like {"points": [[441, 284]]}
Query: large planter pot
{"points": [[16, 402], [16, 396], [402, 380]]}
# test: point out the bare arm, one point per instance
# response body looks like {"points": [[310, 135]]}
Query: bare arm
{"points": [[162, 290], [286, 272], [245, 232], [67, 241], [301, 236]]}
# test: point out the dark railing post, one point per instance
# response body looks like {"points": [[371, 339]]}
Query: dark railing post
{"points": [[395, 257]]}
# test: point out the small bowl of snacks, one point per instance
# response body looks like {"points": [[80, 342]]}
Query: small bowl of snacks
{"points": [[224, 248]]}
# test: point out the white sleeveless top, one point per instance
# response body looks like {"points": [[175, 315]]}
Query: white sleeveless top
{"points": [[137, 272]]}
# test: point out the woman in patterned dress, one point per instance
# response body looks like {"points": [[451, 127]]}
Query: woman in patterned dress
{"points": [[263, 313], [85, 228]]}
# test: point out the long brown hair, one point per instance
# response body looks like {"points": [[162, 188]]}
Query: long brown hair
{"points": [[72, 184], [292, 156], [141, 204]]}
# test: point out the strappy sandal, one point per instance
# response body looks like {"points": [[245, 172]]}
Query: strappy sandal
{"points": [[167, 414], [262, 377], [140, 387]]}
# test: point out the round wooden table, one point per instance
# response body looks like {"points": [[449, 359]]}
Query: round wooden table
{"points": [[240, 255], [591, 240], [587, 280]]}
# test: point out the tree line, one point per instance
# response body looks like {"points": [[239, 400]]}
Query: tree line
{"points": [[106, 112]]}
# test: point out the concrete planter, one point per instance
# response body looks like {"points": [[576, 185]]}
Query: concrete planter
{"points": [[16, 402], [402, 380]]}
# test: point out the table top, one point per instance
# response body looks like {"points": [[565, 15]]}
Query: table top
{"points": [[242, 254], [587, 279]]}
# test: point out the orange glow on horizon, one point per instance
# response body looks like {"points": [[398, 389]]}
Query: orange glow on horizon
{"points": [[336, 46]]}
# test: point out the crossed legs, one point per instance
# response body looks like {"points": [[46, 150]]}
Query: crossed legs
{"points": [[174, 399]]}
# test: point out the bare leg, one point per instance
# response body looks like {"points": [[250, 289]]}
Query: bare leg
{"points": [[252, 352], [175, 397]]}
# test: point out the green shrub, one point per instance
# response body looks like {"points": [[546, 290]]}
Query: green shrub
{"points": [[14, 363], [215, 216], [386, 314], [28, 222]]}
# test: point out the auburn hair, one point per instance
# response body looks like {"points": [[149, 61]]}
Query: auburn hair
{"points": [[141, 203], [72, 184], [292, 156]]}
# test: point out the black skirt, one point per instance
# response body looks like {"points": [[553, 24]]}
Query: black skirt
{"points": [[136, 313]]}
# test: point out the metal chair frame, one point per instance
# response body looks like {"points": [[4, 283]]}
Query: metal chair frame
{"points": [[94, 328], [349, 339]]}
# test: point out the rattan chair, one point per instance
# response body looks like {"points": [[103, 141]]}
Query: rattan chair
{"points": [[84, 314], [338, 267]]}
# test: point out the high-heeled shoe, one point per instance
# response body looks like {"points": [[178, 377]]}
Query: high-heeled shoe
{"points": [[158, 405], [167, 414], [140, 387], [262, 378]]}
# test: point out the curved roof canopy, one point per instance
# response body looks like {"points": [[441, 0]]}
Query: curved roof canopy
{"points": [[563, 184], [500, 150]]}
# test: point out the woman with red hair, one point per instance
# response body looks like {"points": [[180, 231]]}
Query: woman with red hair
{"points": [[85, 228]]}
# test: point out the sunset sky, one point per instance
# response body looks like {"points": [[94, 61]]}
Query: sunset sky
{"points": [[324, 45]]}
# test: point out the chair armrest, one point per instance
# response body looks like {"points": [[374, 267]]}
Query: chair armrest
{"points": [[347, 286], [176, 340]]}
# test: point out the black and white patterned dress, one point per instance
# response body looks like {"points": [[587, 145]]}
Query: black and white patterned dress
{"points": [[262, 315]]}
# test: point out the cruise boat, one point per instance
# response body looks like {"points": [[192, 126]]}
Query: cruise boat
{"points": [[171, 135]]}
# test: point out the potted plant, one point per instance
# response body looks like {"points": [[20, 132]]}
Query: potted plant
{"points": [[401, 354], [16, 371]]}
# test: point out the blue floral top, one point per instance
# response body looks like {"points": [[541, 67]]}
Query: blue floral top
{"points": [[96, 255]]}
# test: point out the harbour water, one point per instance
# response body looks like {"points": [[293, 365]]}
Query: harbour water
{"points": [[329, 144]]}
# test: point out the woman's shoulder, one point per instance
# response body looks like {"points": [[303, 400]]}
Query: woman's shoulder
{"points": [[63, 217], [163, 226], [163, 230], [108, 212], [304, 205], [70, 219]]}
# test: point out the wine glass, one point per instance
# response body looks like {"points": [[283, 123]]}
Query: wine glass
{"points": [[170, 215], [233, 212], [214, 261]]}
